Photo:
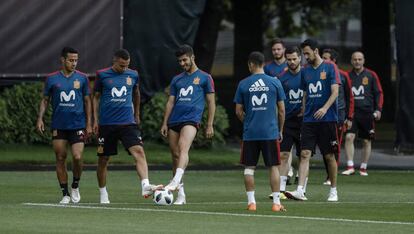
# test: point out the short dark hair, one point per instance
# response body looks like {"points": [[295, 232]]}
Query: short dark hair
{"points": [[184, 50], [68, 50], [276, 41], [257, 58], [313, 44], [334, 54], [122, 53], [292, 49]]}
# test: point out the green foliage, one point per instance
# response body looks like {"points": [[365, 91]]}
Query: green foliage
{"points": [[153, 113], [18, 114]]}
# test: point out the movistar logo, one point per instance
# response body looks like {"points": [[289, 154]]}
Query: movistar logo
{"points": [[259, 101], [185, 92], [315, 88], [358, 91], [67, 97], [258, 86], [295, 95], [118, 93]]}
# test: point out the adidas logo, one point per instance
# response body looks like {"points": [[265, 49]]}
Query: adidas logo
{"points": [[258, 86]]}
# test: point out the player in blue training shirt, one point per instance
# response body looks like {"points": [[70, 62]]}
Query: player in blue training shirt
{"points": [[116, 117], [278, 65], [184, 109], [292, 86], [320, 81], [260, 106], [68, 90]]}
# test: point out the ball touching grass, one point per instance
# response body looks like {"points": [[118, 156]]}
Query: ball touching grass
{"points": [[163, 197]]}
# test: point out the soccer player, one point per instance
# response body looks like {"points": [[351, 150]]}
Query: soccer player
{"points": [[320, 81], [275, 68], [345, 104], [260, 106], [183, 112], [368, 95], [116, 117], [278, 64], [68, 90], [291, 82]]}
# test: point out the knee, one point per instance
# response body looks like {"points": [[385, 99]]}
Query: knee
{"points": [[366, 142], [305, 155], [60, 157], [77, 157], [284, 156], [350, 138], [103, 161]]}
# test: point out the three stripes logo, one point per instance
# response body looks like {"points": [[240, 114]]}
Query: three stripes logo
{"points": [[258, 86]]}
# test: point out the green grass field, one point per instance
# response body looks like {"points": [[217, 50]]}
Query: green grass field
{"points": [[383, 202]]}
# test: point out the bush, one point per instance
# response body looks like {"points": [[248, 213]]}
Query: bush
{"points": [[153, 113], [18, 114]]}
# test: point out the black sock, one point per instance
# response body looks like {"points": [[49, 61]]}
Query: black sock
{"points": [[64, 188], [75, 183]]}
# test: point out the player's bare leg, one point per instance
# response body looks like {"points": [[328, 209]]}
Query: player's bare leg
{"points": [[187, 136], [349, 151], [77, 165], [333, 171], [101, 173], [59, 147], [299, 194], [173, 138], [141, 167], [366, 153]]}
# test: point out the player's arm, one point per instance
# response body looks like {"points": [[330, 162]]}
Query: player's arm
{"points": [[137, 103], [319, 114], [378, 97], [302, 110], [211, 104], [349, 101], [240, 112], [88, 112], [42, 109], [168, 108], [281, 117], [95, 104]]}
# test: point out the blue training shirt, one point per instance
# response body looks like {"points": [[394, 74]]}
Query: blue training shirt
{"points": [[67, 99], [274, 69], [292, 85], [189, 91], [316, 82], [116, 105], [259, 94]]}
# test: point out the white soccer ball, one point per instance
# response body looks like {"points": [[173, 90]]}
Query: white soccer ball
{"points": [[163, 197]]}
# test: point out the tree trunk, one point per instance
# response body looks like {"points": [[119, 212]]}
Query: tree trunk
{"points": [[207, 34], [376, 45]]}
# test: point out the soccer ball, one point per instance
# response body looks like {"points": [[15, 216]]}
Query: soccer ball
{"points": [[163, 197]]}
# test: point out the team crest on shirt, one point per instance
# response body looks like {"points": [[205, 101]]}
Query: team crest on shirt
{"points": [[196, 81], [323, 75], [365, 80], [129, 80], [76, 84]]}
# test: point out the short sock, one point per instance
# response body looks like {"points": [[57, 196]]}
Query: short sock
{"points": [[178, 175], [144, 183], [276, 199], [103, 190], [363, 166], [283, 180], [250, 197], [65, 190], [75, 183], [181, 190], [350, 164]]}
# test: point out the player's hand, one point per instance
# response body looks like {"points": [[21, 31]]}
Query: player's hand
{"points": [[164, 130], [96, 128], [377, 115], [89, 130], [320, 113], [40, 126], [348, 124], [209, 132]]}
